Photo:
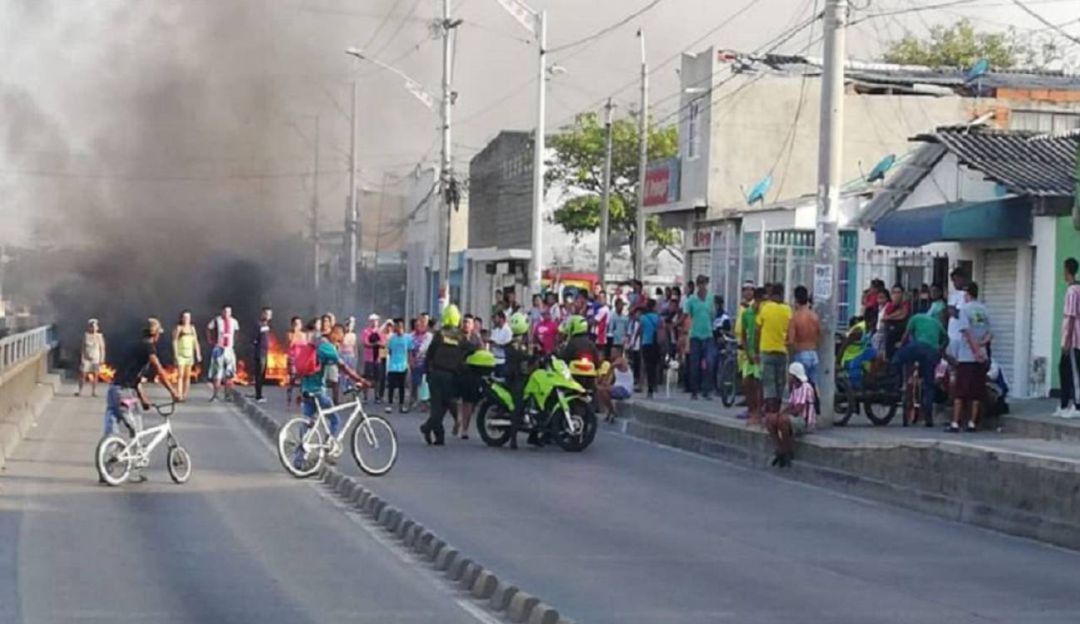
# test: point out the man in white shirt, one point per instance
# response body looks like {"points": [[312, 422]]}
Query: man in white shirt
{"points": [[956, 300], [221, 332], [500, 337]]}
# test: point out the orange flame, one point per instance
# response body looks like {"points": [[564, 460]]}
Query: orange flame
{"points": [[106, 373], [173, 374]]}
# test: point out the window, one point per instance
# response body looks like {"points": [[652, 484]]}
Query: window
{"points": [[693, 145], [1044, 121]]}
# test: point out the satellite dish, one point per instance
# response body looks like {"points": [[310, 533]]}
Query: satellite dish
{"points": [[758, 192], [880, 169], [980, 67]]}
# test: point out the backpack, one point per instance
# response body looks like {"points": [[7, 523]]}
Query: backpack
{"points": [[305, 359]]}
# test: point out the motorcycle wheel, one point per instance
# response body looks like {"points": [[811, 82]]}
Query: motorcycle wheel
{"points": [[583, 420], [490, 417]]}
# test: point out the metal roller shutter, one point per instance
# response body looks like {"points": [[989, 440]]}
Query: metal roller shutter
{"points": [[998, 294]]}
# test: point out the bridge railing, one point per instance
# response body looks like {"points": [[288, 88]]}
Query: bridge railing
{"points": [[17, 348]]}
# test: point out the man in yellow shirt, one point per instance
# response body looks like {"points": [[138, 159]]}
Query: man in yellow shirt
{"points": [[773, 320]]}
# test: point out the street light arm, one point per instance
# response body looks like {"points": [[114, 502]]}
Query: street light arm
{"points": [[411, 85], [523, 13]]}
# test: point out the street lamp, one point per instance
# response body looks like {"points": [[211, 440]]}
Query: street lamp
{"points": [[411, 85]]}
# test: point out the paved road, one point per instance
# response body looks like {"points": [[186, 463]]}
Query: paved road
{"points": [[240, 542], [628, 533]]}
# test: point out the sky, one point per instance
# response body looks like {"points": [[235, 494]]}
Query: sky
{"points": [[102, 95]]}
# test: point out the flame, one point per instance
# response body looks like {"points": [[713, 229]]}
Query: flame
{"points": [[106, 373], [173, 374], [277, 363]]}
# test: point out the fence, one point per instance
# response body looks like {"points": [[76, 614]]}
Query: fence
{"points": [[20, 347]]}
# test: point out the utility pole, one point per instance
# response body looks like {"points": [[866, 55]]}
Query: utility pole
{"points": [[831, 135], [317, 252], [352, 217], [643, 158], [605, 202], [539, 145], [447, 185]]}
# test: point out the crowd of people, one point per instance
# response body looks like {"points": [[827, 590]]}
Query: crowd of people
{"points": [[946, 336]]}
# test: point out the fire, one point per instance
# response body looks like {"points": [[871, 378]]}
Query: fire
{"points": [[277, 363], [106, 373], [173, 375]]}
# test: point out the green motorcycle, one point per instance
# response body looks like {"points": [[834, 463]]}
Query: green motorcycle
{"points": [[557, 406]]}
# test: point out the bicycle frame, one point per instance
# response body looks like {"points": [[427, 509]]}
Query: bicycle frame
{"points": [[142, 450], [321, 419]]}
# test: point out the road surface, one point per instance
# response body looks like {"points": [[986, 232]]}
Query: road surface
{"points": [[628, 532], [240, 542]]}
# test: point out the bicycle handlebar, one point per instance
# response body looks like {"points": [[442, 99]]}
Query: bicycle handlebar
{"points": [[165, 409]]}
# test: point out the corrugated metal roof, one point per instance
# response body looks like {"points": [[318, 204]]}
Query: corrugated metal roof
{"points": [[902, 183], [1024, 163]]}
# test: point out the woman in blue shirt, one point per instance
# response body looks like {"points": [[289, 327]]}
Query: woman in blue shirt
{"points": [[397, 364]]}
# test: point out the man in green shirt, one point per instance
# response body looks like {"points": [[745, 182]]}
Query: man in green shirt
{"points": [[924, 342], [699, 308], [751, 367]]}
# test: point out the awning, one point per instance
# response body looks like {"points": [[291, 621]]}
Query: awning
{"points": [[960, 221]]}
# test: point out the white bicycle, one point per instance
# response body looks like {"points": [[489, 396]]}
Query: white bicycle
{"points": [[303, 445], [117, 457]]}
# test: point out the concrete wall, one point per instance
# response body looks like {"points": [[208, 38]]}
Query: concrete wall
{"points": [[749, 125], [500, 193], [24, 392]]}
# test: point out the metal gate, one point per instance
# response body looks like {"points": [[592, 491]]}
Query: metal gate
{"points": [[998, 294]]}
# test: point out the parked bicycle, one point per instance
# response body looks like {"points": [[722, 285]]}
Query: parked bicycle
{"points": [[727, 370], [304, 444], [117, 457]]}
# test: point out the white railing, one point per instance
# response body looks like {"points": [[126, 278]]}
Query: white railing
{"points": [[19, 347]]}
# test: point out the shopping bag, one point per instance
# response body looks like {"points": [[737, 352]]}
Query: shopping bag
{"points": [[424, 393]]}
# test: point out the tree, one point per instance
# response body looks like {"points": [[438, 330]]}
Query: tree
{"points": [[959, 45], [579, 167]]}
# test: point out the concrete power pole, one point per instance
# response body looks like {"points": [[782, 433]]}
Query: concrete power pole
{"points": [[827, 238], [352, 217], [643, 142], [605, 202], [539, 144], [317, 252], [447, 184]]}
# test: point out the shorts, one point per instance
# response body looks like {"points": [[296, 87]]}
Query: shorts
{"points": [[468, 387], [970, 382], [619, 393], [185, 361], [222, 364], [90, 366], [773, 375], [750, 370], [416, 373]]}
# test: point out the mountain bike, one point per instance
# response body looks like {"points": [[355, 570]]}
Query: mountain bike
{"points": [[304, 444], [117, 457]]}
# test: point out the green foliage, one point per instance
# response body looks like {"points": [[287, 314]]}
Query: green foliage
{"points": [[959, 45], [579, 165]]}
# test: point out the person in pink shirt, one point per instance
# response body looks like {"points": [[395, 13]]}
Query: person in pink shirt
{"points": [[799, 415], [545, 333], [601, 318], [371, 340]]}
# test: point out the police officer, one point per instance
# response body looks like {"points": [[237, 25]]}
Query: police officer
{"points": [[578, 344], [445, 361], [517, 372]]}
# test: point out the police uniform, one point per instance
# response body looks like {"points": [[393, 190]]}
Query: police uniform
{"points": [[517, 372], [445, 361]]}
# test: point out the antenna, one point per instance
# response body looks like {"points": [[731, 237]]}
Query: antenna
{"points": [[880, 169], [757, 194]]}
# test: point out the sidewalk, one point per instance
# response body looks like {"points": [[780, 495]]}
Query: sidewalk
{"points": [[1012, 481]]}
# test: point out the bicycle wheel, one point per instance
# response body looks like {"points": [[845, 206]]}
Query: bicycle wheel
{"points": [[374, 446], [884, 416], [111, 468], [179, 464], [845, 404], [301, 447], [727, 381]]}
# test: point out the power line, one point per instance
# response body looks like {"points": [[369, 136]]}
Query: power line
{"points": [[1058, 29], [606, 29], [382, 24]]}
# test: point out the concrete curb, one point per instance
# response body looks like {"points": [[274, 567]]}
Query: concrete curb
{"points": [[481, 583], [960, 482]]}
